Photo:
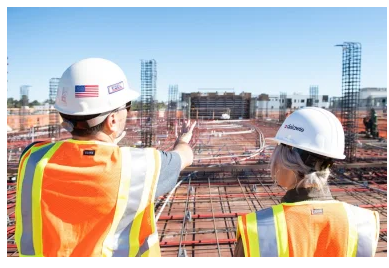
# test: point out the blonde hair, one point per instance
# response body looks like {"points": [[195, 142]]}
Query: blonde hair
{"points": [[284, 157]]}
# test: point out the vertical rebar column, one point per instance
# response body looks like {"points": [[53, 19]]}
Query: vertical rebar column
{"points": [[172, 107], [54, 127], [148, 101], [314, 95], [253, 108], [263, 100], [168, 115], [282, 109], [242, 105], [23, 106], [351, 78], [369, 104]]}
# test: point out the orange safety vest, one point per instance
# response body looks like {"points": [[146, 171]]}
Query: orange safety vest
{"points": [[87, 198], [310, 229]]}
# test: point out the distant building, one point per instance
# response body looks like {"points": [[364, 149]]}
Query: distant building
{"points": [[53, 88], [369, 97], [41, 109], [293, 102], [372, 97], [211, 105]]}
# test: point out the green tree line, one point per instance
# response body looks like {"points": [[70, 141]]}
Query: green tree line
{"points": [[14, 103], [135, 105]]}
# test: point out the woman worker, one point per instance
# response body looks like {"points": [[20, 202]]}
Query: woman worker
{"points": [[308, 222]]}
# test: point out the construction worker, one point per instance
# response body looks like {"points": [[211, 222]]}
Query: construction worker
{"points": [[308, 222], [373, 124], [86, 196]]}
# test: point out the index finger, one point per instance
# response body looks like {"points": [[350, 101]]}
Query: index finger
{"points": [[192, 127]]}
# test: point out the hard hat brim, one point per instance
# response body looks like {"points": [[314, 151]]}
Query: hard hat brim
{"points": [[275, 139]]}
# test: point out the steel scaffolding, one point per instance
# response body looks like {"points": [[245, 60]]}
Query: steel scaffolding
{"points": [[314, 95], [148, 101], [282, 109], [212, 105], [24, 106], [172, 107], [351, 78], [253, 107], [54, 127], [263, 103], [230, 177]]}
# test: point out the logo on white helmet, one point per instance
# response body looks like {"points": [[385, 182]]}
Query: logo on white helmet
{"points": [[64, 95], [293, 127], [115, 87]]}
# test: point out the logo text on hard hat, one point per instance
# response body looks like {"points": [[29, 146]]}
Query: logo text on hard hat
{"points": [[115, 87], [293, 127], [64, 95]]}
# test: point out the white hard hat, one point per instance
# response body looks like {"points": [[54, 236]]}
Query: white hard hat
{"points": [[314, 130], [92, 86]]}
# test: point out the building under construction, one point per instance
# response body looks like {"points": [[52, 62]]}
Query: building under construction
{"points": [[230, 174], [24, 90], [54, 121], [229, 177], [211, 105]]}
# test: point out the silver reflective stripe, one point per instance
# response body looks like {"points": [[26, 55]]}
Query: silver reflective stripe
{"points": [[143, 248], [26, 241], [365, 227], [267, 233], [138, 174]]}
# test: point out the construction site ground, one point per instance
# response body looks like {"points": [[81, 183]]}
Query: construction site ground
{"points": [[229, 177]]}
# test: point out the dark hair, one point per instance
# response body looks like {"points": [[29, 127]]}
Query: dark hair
{"points": [[80, 126], [80, 121]]}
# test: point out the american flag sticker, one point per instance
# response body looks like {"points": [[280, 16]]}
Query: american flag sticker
{"points": [[115, 87], [87, 91]]}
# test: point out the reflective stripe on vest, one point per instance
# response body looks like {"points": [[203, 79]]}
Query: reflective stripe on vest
{"points": [[264, 233], [362, 237], [133, 230], [134, 207], [29, 223]]}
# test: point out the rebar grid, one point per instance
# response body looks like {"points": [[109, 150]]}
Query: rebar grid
{"points": [[241, 192], [210, 230]]}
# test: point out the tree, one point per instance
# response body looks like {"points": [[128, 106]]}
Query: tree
{"points": [[12, 103], [161, 105], [135, 105], [34, 103]]}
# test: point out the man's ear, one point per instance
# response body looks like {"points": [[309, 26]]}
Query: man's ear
{"points": [[112, 123]]}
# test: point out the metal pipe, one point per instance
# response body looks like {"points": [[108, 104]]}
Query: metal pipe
{"points": [[236, 214], [267, 193], [197, 242], [168, 197], [214, 222]]}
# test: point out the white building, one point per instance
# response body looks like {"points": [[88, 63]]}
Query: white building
{"points": [[41, 109], [372, 97], [294, 101]]}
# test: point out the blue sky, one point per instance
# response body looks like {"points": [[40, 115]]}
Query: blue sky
{"points": [[258, 50]]}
